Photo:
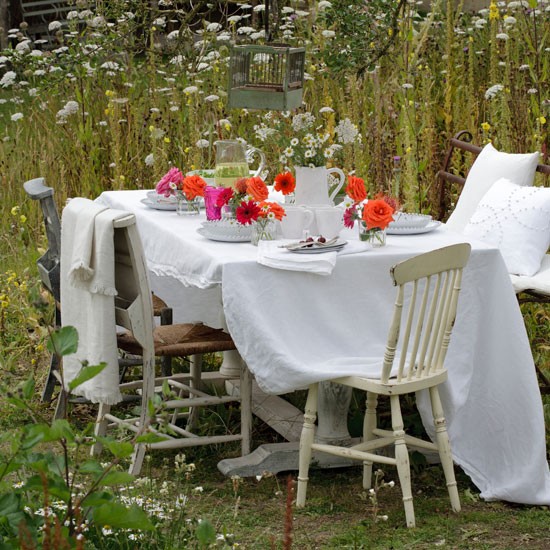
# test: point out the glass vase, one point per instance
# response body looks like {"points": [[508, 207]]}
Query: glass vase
{"points": [[263, 230], [375, 236], [185, 207]]}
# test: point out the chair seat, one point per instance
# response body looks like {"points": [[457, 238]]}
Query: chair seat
{"points": [[392, 386], [539, 283], [158, 305], [180, 339]]}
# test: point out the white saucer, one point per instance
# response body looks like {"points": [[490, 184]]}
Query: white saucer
{"points": [[412, 230], [242, 238], [159, 205]]}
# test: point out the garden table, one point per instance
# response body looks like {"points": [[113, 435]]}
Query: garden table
{"points": [[291, 327]]}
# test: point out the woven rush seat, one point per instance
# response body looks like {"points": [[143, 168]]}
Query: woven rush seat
{"points": [[180, 339], [158, 305]]}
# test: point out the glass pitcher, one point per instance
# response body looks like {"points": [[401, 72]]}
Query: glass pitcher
{"points": [[232, 162]]}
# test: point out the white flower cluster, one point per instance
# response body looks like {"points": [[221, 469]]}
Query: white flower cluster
{"points": [[493, 91], [70, 108], [347, 132], [8, 79]]}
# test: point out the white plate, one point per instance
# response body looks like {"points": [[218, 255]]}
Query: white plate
{"points": [[338, 245], [223, 238], [412, 230], [159, 205], [405, 219]]}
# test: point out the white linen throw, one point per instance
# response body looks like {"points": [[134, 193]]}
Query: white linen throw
{"points": [[87, 296]]}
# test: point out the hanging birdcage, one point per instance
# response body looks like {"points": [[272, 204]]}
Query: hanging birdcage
{"points": [[266, 77]]}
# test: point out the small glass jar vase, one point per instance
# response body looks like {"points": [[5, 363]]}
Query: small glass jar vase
{"points": [[375, 236], [263, 229], [185, 207], [227, 212]]}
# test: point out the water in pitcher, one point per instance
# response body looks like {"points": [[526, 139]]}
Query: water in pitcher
{"points": [[228, 173]]}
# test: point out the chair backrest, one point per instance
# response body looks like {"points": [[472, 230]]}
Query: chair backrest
{"points": [[133, 306], [48, 264], [424, 312], [462, 142]]}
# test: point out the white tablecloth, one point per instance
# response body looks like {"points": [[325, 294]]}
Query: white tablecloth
{"points": [[291, 328]]}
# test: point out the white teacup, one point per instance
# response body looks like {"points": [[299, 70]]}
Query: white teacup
{"points": [[296, 219], [329, 220]]}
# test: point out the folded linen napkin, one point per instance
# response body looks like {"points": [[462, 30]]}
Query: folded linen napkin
{"points": [[271, 255], [87, 295]]}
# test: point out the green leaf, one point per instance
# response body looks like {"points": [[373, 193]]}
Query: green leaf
{"points": [[63, 341], [34, 435], [533, 3], [117, 515], [91, 467], [85, 374], [150, 438], [206, 534], [117, 478], [55, 484], [60, 429], [120, 449], [97, 498], [28, 388]]}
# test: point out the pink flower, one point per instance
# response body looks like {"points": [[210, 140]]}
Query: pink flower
{"points": [[224, 197], [172, 180], [350, 214]]}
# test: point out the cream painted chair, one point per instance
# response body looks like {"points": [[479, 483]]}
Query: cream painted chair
{"points": [[424, 313], [176, 397]]}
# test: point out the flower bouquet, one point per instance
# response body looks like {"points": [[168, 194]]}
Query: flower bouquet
{"points": [[373, 215], [247, 204], [186, 189]]}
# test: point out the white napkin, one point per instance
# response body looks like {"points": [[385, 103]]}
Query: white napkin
{"points": [[271, 255]]}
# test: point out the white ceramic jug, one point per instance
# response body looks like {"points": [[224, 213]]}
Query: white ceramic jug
{"points": [[312, 185]]}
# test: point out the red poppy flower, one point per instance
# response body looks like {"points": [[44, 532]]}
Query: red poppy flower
{"points": [[247, 212], [285, 183]]}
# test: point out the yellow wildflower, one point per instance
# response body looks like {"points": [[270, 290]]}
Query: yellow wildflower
{"points": [[151, 128], [485, 126], [107, 111], [408, 149], [15, 210], [493, 11], [22, 218], [542, 120], [109, 93], [187, 149], [166, 140]]}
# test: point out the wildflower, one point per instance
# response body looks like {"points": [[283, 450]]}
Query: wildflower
{"points": [[493, 91], [326, 110], [198, 489], [328, 34], [493, 11], [190, 90], [8, 79], [16, 116], [149, 160], [509, 21], [212, 97], [347, 132], [542, 120], [480, 23], [111, 66], [407, 86], [323, 5], [245, 30], [213, 27], [54, 26], [502, 36], [532, 91], [202, 143], [485, 126]]}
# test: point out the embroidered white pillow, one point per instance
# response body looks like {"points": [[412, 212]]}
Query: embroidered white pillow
{"points": [[516, 219], [489, 166]]}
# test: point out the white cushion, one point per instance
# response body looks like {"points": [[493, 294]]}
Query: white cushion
{"points": [[489, 166], [516, 219], [539, 282]]}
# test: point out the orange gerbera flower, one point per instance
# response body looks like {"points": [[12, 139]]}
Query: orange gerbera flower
{"points": [[272, 208], [285, 183], [377, 213], [356, 189], [257, 188], [193, 186]]}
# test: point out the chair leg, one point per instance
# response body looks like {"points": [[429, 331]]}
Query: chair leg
{"points": [[444, 448], [51, 380], [245, 388], [100, 428], [166, 318], [195, 369], [402, 458], [369, 424], [306, 441]]}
